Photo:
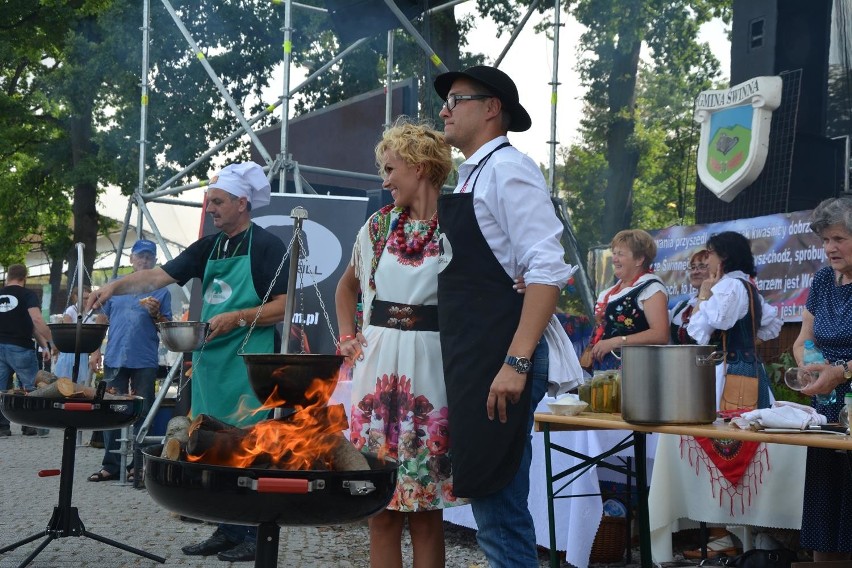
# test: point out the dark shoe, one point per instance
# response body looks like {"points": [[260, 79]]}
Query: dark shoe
{"points": [[102, 475], [216, 543], [27, 431], [243, 552], [5, 432]]}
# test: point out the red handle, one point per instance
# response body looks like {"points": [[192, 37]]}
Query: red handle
{"points": [[48, 472], [276, 485], [80, 406]]}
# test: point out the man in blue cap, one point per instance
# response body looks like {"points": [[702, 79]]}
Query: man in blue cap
{"points": [[237, 267], [131, 359]]}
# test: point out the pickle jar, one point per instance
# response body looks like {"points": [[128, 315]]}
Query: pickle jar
{"points": [[584, 391], [605, 392]]}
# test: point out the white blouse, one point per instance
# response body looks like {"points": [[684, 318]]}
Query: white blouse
{"points": [[728, 305]]}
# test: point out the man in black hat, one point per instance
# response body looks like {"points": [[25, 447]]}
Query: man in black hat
{"points": [[498, 224]]}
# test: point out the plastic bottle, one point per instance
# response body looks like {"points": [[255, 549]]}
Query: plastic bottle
{"points": [[846, 411], [813, 356]]}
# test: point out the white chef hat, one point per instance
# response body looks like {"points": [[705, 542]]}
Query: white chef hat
{"points": [[244, 180]]}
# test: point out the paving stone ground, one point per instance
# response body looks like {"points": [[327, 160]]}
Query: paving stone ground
{"points": [[130, 516]]}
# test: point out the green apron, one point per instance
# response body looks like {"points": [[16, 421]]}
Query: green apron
{"points": [[220, 386]]}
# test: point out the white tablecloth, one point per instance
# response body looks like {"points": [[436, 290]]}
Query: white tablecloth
{"points": [[577, 518], [678, 492]]}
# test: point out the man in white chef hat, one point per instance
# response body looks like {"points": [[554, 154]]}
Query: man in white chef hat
{"points": [[236, 265]]}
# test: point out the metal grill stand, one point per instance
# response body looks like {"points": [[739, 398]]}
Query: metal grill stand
{"points": [[65, 520]]}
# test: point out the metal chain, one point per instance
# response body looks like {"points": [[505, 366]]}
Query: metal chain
{"points": [[266, 297], [322, 306]]}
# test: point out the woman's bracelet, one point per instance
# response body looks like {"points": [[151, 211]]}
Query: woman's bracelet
{"points": [[346, 337]]}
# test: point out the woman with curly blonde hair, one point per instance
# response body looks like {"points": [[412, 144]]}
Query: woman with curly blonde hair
{"points": [[399, 401]]}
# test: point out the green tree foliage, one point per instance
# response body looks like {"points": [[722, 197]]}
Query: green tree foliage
{"points": [[632, 168]]}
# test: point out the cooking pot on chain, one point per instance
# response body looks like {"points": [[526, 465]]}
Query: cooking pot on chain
{"points": [[669, 384]]}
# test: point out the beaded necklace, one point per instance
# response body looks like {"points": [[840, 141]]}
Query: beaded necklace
{"points": [[382, 229], [415, 243]]}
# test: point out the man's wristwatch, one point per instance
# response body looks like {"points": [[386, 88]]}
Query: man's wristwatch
{"points": [[847, 372], [521, 365]]}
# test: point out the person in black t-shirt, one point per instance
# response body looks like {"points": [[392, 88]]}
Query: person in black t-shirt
{"points": [[20, 322]]}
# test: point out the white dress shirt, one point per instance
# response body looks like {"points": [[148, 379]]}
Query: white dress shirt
{"points": [[516, 216]]}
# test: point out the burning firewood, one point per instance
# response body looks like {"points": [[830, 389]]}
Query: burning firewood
{"points": [[346, 457], [209, 423]]}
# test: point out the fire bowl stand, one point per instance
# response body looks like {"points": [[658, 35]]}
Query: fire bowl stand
{"points": [[65, 520], [267, 545]]}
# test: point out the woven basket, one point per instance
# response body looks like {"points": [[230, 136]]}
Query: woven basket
{"points": [[609, 541]]}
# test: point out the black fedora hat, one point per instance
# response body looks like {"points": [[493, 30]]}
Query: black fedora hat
{"points": [[498, 83]]}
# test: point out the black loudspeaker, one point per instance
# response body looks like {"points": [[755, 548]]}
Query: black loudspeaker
{"points": [[354, 19], [771, 36]]}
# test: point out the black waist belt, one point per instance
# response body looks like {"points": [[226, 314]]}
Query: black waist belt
{"points": [[404, 316]]}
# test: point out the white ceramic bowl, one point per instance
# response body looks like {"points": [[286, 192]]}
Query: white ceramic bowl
{"points": [[567, 406]]}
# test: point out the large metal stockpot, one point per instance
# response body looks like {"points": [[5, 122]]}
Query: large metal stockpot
{"points": [[668, 384]]}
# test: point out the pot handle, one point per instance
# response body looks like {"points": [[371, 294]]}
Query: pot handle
{"points": [[709, 360]]}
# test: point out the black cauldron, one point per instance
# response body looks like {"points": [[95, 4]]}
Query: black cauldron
{"points": [[291, 374]]}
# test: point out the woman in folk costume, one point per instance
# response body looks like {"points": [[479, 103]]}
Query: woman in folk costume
{"points": [[399, 401], [730, 313], [633, 311]]}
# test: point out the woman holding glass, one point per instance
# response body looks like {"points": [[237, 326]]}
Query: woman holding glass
{"points": [[633, 311], [827, 321]]}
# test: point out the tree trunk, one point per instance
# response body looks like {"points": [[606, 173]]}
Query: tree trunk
{"points": [[622, 156], [86, 189]]}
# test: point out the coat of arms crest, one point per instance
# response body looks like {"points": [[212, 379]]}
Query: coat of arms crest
{"points": [[735, 134]]}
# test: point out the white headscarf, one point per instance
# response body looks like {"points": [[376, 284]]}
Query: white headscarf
{"points": [[244, 180]]}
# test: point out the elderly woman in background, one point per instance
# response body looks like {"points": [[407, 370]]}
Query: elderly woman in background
{"points": [[827, 320], [634, 311], [399, 401], [679, 316], [728, 302]]}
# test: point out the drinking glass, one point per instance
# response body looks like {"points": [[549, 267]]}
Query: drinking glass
{"points": [[797, 378]]}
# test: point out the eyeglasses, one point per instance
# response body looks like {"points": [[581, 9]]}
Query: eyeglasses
{"points": [[452, 100], [692, 267]]}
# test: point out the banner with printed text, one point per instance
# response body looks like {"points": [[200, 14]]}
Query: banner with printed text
{"points": [[786, 256]]}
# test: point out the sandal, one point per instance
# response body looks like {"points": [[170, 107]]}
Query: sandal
{"points": [[723, 546], [101, 476]]}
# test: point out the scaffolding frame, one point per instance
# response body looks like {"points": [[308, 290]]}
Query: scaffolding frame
{"points": [[282, 163]]}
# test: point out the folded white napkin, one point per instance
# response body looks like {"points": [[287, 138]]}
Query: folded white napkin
{"points": [[564, 372], [782, 414]]}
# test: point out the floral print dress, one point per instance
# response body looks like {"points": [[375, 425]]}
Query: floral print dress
{"points": [[399, 401]]}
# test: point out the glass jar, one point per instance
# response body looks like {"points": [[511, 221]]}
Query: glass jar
{"points": [[584, 391], [606, 392]]}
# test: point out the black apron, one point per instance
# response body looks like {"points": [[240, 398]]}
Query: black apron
{"points": [[478, 314]]}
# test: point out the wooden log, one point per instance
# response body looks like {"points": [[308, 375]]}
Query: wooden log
{"points": [[211, 424], [178, 428], [346, 457], [172, 449], [43, 378], [61, 388], [88, 393]]}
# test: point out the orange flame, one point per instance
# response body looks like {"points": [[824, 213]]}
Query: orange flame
{"points": [[305, 440]]}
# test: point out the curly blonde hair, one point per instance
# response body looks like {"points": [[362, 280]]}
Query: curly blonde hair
{"points": [[417, 143]]}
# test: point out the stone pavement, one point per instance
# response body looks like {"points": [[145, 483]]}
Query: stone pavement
{"points": [[130, 516]]}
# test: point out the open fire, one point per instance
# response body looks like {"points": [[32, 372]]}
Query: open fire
{"points": [[308, 439]]}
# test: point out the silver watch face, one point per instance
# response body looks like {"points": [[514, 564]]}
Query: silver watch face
{"points": [[241, 322]]}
